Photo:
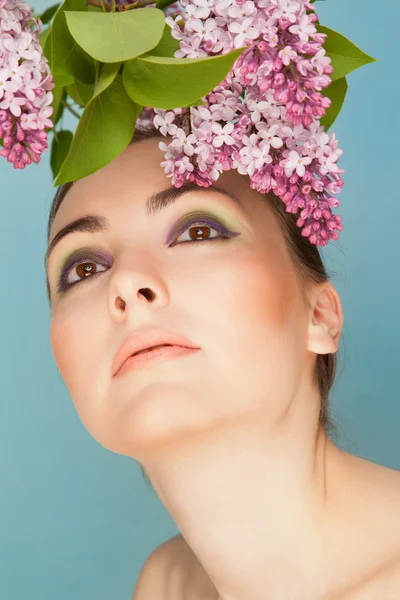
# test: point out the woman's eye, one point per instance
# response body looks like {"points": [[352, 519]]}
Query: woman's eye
{"points": [[197, 232], [85, 270]]}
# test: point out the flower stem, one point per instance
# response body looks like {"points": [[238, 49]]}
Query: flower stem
{"points": [[188, 114], [293, 72], [112, 6], [71, 109]]}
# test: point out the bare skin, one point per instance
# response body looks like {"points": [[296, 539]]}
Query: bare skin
{"points": [[229, 435], [191, 582], [371, 570]]}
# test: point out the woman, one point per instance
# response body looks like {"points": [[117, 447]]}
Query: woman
{"points": [[234, 433]]}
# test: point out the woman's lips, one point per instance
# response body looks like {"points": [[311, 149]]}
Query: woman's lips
{"points": [[158, 353], [154, 348]]}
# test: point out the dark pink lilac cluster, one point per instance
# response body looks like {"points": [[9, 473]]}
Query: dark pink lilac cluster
{"points": [[264, 118], [25, 84]]}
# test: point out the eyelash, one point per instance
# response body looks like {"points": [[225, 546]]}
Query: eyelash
{"points": [[63, 286]]}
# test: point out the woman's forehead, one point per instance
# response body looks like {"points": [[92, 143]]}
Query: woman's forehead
{"points": [[136, 174], [136, 168]]}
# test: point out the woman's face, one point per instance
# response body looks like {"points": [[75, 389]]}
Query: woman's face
{"points": [[238, 299]]}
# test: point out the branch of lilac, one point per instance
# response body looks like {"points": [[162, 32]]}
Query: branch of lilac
{"points": [[263, 119], [119, 7], [69, 107]]}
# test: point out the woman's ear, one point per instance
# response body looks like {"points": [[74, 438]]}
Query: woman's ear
{"points": [[326, 320]]}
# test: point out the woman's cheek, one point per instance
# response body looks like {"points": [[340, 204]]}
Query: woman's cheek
{"points": [[72, 355], [71, 351], [262, 290], [264, 307], [59, 339]]}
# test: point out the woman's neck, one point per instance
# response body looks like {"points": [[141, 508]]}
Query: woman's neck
{"points": [[258, 508]]}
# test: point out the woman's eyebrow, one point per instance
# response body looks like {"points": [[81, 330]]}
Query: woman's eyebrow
{"points": [[154, 204]]}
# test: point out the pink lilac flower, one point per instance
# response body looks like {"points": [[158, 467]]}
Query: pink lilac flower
{"points": [[295, 162], [264, 118], [199, 9], [25, 86]]}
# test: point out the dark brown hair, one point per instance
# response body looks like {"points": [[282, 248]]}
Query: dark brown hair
{"points": [[309, 267]]}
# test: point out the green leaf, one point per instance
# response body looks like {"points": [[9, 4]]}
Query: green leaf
{"points": [[43, 35], [59, 149], [61, 80], [57, 104], [164, 3], [81, 93], [167, 46], [117, 36], [107, 76], [74, 94], [49, 13], [67, 60], [104, 130], [345, 56], [337, 93], [165, 82], [197, 103], [85, 91]]}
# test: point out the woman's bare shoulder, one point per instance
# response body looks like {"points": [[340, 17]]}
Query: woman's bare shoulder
{"points": [[159, 571], [163, 575], [378, 491], [173, 571], [185, 577], [383, 583], [189, 581], [380, 487]]}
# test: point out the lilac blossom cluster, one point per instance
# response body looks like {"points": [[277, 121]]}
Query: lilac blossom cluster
{"points": [[264, 118], [25, 84]]}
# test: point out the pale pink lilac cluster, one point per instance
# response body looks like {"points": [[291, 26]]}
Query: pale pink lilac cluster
{"points": [[264, 118], [25, 84]]}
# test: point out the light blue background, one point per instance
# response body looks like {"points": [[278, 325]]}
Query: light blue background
{"points": [[78, 521]]}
